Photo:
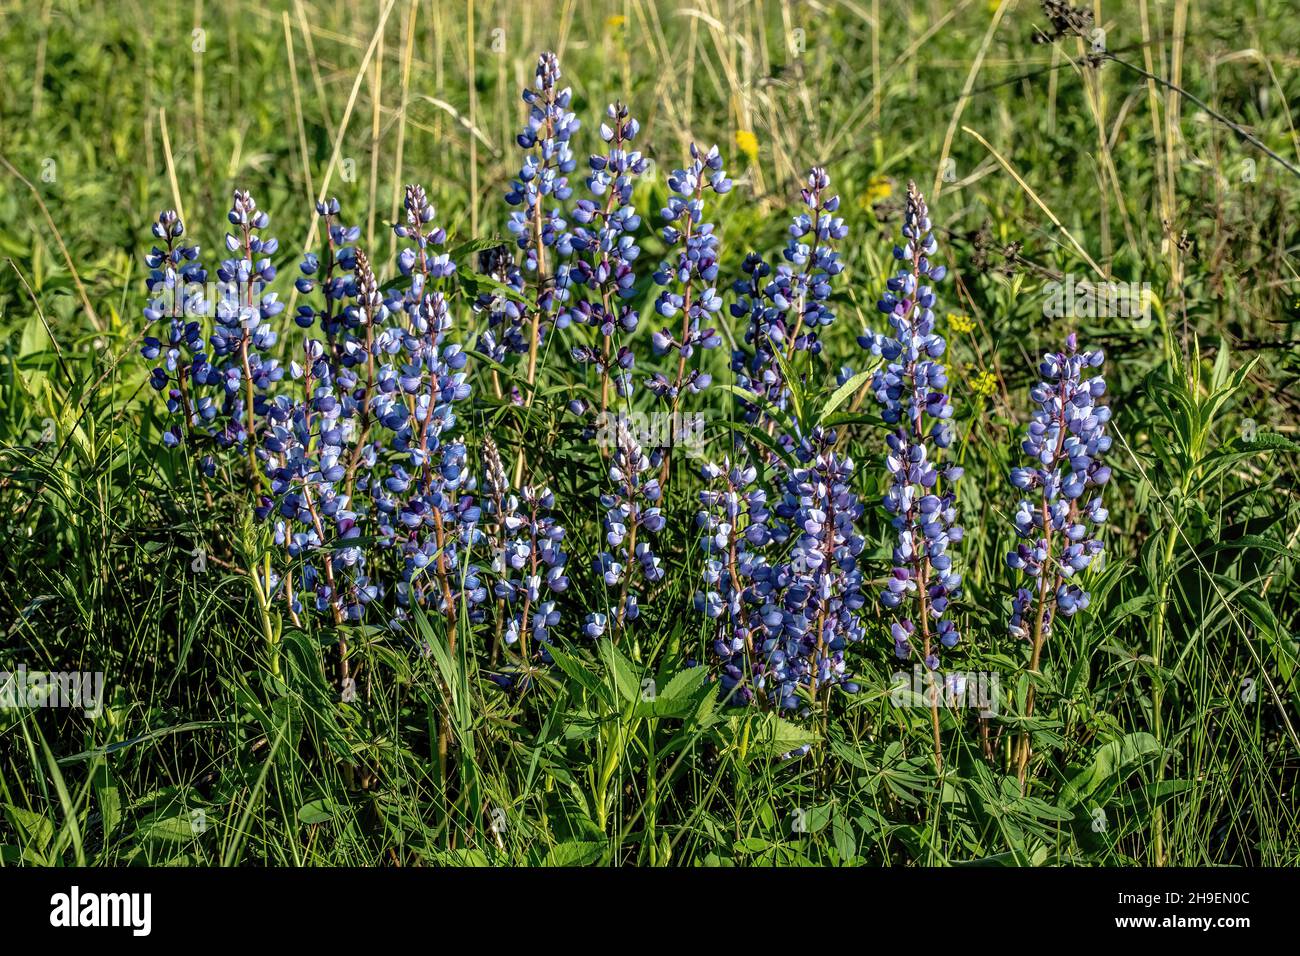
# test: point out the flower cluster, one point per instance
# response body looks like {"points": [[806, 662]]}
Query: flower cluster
{"points": [[605, 238], [360, 474], [185, 374], [787, 621], [1065, 441], [910, 390], [527, 559], [361, 447], [506, 332], [632, 507], [821, 585], [734, 535], [689, 278], [543, 179], [801, 284], [334, 276], [813, 262], [423, 258], [217, 386], [368, 447]]}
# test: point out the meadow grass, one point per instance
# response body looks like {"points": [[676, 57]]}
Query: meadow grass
{"points": [[1165, 728]]}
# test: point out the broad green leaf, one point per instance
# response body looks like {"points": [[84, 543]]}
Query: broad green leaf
{"points": [[316, 811], [1110, 763], [621, 671], [574, 668], [843, 394], [574, 853]]}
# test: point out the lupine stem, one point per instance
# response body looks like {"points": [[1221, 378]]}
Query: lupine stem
{"points": [[633, 522]]}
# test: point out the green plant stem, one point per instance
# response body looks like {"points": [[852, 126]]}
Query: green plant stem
{"points": [[264, 612]]}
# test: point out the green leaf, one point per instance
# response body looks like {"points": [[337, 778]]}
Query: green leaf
{"points": [[684, 684], [461, 250], [463, 857], [791, 383], [772, 736], [37, 829], [846, 842], [776, 414], [1254, 541], [1111, 763], [621, 670], [589, 682], [109, 798], [842, 394], [316, 811], [173, 828], [574, 853]]}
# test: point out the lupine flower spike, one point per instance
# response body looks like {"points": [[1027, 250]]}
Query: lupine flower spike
{"points": [[191, 384], [605, 240], [528, 560], [911, 393], [541, 230], [631, 510], [1059, 524], [801, 284], [734, 534], [822, 584], [689, 278], [785, 621]]}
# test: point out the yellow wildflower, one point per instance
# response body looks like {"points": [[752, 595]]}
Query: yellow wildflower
{"points": [[962, 324], [615, 22], [748, 143], [877, 189], [985, 383]]}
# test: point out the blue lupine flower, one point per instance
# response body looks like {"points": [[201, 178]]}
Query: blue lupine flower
{"points": [[786, 306], [175, 276], [631, 510], [820, 614], [605, 242], [337, 286], [690, 277], [734, 536], [910, 390], [786, 621], [1065, 442], [528, 559], [541, 230], [813, 261], [505, 311]]}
